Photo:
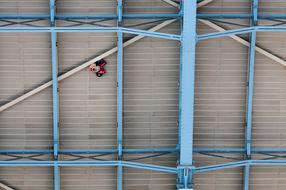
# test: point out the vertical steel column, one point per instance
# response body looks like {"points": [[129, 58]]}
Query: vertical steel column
{"points": [[251, 62], [56, 177], [55, 94], [119, 95], [250, 83], [187, 88], [55, 107], [52, 11], [246, 177]]}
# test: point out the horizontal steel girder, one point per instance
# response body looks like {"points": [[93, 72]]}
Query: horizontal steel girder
{"points": [[92, 29], [216, 167], [241, 31], [145, 33], [141, 16], [143, 166], [148, 151], [89, 17], [136, 165]]}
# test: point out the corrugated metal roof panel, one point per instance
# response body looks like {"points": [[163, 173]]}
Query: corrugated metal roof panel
{"points": [[220, 93], [87, 103], [269, 94], [263, 178], [151, 73], [24, 6], [28, 178], [273, 6], [148, 180], [151, 69], [226, 6], [148, 6], [25, 63], [226, 179], [88, 178], [86, 6]]}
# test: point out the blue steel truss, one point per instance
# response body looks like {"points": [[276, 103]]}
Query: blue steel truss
{"points": [[119, 96], [185, 150], [55, 94], [250, 86]]}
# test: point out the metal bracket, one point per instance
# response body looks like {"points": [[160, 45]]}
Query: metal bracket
{"points": [[185, 177]]}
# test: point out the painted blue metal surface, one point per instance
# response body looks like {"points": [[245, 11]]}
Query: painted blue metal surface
{"points": [[56, 177], [240, 15], [119, 10], [142, 16], [92, 151], [246, 175], [55, 93], [268, 163], [185, 175], [143, 32], [127, 151], [187, 82], [92, 29], [115, 16], [161, 150], [241, 31], [163, 169], [119, 177], [119, 95], [119, 90], [147, 151], [187, 89], [90, 16], [221, 166], [251, 64], [52, 11]]}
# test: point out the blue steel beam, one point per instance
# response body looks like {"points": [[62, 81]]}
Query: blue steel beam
{"points": [[55, 94], [223, 166], [91, 151], [246, 175], [240, 16], [142, 16], [144, 151], [119, 11], [124, 16], [92, 29], [52, 11], [144, 33], [119, 84], [56, 177], [119, 95], [126, 151], [148, 151], [90, 16], [251, 63], [142, 166], [267, 163], [250, 86], [187, 82], [187, 86], [241, 31], [55, 107]]}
